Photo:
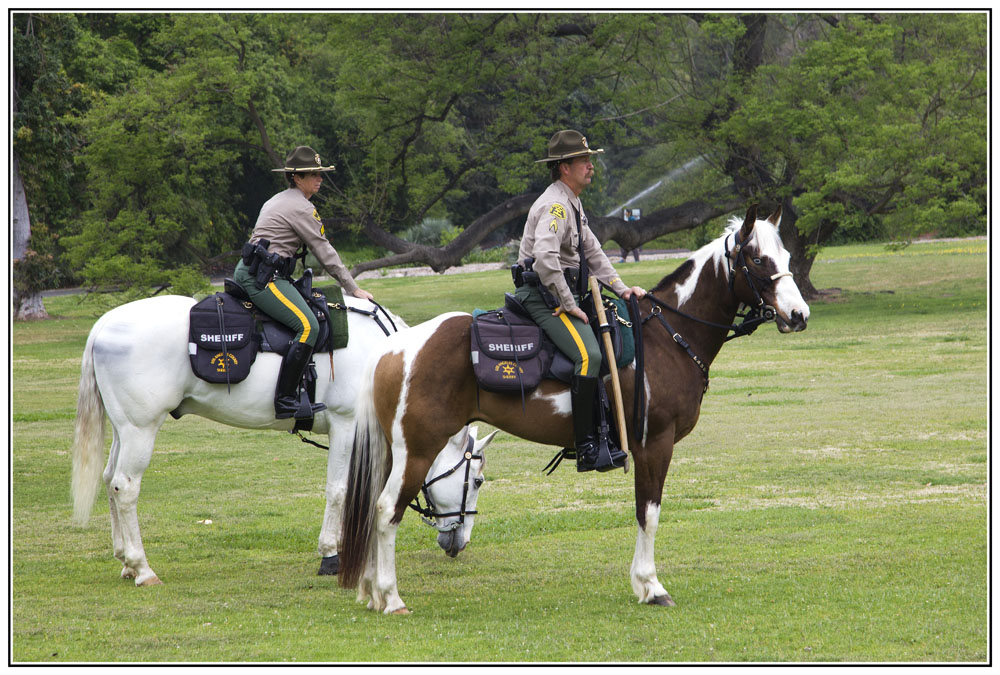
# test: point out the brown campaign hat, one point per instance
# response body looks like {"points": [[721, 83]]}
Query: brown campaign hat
{"points": [[303, 159], [567, 143]]}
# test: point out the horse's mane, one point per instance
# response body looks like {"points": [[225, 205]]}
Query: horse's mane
{"points": [[681, 273], [674, 277], [767, 238]]}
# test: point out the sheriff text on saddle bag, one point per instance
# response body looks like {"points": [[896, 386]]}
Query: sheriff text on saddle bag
{"points": [[507, 352], [222, 339]]}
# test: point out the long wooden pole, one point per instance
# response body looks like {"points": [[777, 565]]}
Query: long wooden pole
{"points": [[609, 349]]}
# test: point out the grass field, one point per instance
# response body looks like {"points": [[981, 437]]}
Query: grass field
{"points": [[831, 506]]}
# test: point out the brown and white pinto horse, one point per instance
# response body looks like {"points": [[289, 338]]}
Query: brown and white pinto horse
{"points": [[422, 390]]}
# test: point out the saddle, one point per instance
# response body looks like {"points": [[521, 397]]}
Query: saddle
{"points": [[227, 331], [511, 353]]}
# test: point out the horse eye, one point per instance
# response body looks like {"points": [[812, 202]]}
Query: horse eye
{"points": [[478, 482]]}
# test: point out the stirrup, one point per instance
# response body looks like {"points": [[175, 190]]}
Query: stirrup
{"points": [[303, 409], [609, 456]]}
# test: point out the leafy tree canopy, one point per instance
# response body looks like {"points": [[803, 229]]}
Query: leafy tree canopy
{"points": [[146, 140]]}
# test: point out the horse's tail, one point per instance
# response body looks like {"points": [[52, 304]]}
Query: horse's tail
{"points": [[88, 440], [371, 461]]}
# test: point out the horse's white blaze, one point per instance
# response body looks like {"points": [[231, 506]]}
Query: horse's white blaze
{"points": [[768, 244], [643, 572], [788, 299]]}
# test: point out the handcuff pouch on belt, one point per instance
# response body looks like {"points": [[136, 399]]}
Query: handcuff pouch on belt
{"points": [[524, 275], [265, 266]]}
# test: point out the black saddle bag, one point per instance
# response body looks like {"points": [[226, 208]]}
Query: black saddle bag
{"points": [[508, 352], [222, 339], [556, 365]]}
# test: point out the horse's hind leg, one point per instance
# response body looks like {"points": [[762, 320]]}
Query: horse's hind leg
{"points": [[117, 539], [403, 484], [134, 452], [383, 590], [336, 489]]}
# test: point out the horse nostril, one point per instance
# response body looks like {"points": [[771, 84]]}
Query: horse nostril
{"points": [[797, 317]]}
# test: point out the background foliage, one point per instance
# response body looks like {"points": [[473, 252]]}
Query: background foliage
{"points": [[146, 140]]}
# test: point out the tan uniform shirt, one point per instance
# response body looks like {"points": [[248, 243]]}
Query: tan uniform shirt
{"points": [[550, 237], [289, 220]]}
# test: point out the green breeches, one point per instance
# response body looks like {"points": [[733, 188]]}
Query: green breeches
{"points": [[281, 301], [572, 336]]}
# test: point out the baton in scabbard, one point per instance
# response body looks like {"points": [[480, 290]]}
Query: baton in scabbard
{"points": [[609, 349]]}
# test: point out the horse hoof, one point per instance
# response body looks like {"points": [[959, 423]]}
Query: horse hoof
{"points": [[401, 610], [329, 566], [152, 581], [128, 573], [663, 601]]}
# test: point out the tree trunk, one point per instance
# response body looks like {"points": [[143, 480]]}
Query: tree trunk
{"points": [[24, 305], [801, 261], [444, 257], [631, 235], [265, 140], [749, 175]]}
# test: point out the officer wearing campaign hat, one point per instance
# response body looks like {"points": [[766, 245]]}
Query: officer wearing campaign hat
{"points": [[288, 221], [557, 253]]}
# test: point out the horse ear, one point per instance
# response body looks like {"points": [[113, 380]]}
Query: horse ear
{"points": [[481, 443], [775, 218], [748, 223]]}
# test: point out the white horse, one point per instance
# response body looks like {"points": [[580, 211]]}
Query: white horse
{"points": [[136, 370]]}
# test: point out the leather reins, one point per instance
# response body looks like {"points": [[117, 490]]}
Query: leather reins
{"points": [[752, 317]]}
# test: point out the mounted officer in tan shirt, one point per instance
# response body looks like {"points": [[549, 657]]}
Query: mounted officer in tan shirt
{"points": [[558, 251], [287, 221]]}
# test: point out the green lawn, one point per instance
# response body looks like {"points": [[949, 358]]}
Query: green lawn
{"points": [[830, 506]]}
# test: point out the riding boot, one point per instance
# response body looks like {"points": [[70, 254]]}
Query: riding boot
{"points": [[288, 402], [594, 448]]}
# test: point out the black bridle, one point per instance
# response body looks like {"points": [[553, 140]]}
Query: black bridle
{"points": [[737, 256], [429, 514], [752, 317]]}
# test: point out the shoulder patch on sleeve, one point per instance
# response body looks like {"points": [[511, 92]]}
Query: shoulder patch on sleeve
{"points": [[554, 225], [319, 220], [558, 211]]}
